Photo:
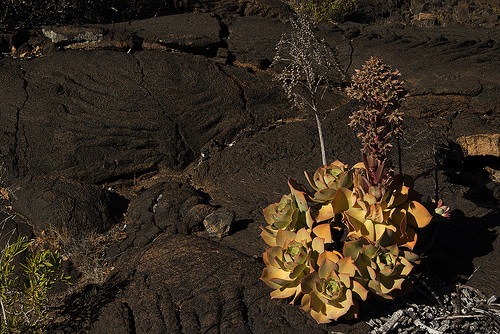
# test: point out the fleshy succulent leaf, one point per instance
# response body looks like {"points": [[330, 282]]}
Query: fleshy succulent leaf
{"points": [[324, 195], [333, 256], [269, 235], [342, 200], [299, 193], [318, 245], [303, 236], [417, 215], [283, 237], [272, 275], [359, 290], [283, 292], [346, 266], [324, 213], [375, 213], [323, 231], [316, 302], [353, 248], [326, 268]]}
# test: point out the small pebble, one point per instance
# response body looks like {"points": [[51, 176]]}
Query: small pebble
{"points": [[218, 223]]}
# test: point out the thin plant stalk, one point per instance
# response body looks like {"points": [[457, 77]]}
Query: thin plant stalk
{"points": [[3, 312], [400, 163], [321, 140]]}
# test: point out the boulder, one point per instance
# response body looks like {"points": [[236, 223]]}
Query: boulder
{"points": [[218, 223], [69, 208], [139, 127], [480, 144], [165, 208]]}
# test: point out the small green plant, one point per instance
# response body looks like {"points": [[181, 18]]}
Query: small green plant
{"points": [[325, 10], [23, 297], [379, 212]]}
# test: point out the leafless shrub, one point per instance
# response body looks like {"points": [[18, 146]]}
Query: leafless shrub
{"points": [[307, 67]]}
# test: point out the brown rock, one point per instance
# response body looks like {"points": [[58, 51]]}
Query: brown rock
{"points": [[218, 223], [427, 16], [480, 144], [194, 30], [252, 40], [69, 34]]}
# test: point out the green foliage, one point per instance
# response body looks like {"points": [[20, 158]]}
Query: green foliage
{"points": [[23, 298], [325, 10]]}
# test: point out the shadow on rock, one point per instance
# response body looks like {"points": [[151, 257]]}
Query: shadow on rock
{"points": [[458, 242], [80, 310]]}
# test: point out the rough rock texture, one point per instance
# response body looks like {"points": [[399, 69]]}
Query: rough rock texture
{"points": [[480, 144], [218, 223], [221, 293], [252, 40], [179, 117], [48, 203], [193, 32], [165, 208]]}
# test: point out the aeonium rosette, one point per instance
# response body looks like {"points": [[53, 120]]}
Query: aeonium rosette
{"points": [[331, 291], [383, 269], [327, 179], [284, 214], [281, 215], [288, 214], [325, 182], [371, 209], [294, 256]]}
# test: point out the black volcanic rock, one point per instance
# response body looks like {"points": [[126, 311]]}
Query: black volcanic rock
{"points": [[182, 116], [186, 284], [56, 203]]}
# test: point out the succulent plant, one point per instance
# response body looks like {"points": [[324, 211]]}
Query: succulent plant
{"points": [[441, 209], [384, 269], [370, 217], [290, 213], [294, 256], [327, 179], [380, 210], [300, 193], [284, 214], [373, 176], [331, 291], [379, 87]]}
